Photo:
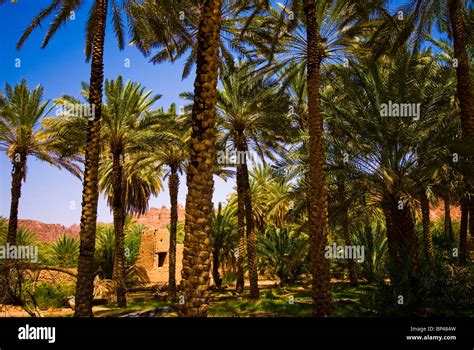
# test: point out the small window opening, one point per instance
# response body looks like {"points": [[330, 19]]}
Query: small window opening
{"points": [[161, 259]]}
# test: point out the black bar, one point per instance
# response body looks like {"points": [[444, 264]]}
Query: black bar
{"points": [[377, 333]]}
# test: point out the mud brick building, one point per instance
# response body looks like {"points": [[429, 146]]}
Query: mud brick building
{"points": [[154, 246]]}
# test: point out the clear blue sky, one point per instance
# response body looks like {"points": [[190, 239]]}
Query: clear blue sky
{"points": [[60, 68]]}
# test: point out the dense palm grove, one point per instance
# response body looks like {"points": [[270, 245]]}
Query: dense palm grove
{"points": [[342, 123]]}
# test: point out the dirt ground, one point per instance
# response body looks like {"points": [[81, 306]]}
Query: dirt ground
{"points": [[17, 311]]}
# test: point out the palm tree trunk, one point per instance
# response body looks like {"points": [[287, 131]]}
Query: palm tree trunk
{"points": [[251, 236], [90, 193], [173, 184], [215, 269], [448, 227], [464, 88], [18, 168], [318, 220], [239, 288], [118, 209], [463, 232], [200, 183], [425, 215], [471, 220], [402, 245], [471, 231]]}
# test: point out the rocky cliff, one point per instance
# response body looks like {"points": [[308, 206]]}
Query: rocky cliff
{"points": [[155, 218], [158, 217], [48, 232]]}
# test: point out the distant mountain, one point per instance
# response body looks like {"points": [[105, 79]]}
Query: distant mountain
{"points": [[155, 218], [439, 211], [48, 232]]}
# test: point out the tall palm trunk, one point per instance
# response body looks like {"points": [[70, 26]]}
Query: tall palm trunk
{"points": [[425, 217], [118, 209], [18, 168], [200, 183], [215, 269], [402, 245], [240, 229], [173, 184], [90, 193], [471, 230], [448, 226], [471, 220], [318, 220], [251, 235], [463, 232], [464, 88]]}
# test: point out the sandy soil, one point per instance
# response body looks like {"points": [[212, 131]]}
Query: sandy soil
{"points": [[17, 311]]}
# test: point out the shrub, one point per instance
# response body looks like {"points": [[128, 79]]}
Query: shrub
{"points": [[373, 239], [283, 253], [64, 252], [132, 242], [443, 243], [24, 235], [229, 277], [49, 295], [105, 247], [443, 289], [105, 250]]}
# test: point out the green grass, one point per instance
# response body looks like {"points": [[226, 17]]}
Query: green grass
{"points": [[53, 296], [293, 301], [290, 301], [353, 301], [272, 303]]}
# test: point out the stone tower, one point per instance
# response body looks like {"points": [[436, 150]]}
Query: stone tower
{"points": [[154, 246]]}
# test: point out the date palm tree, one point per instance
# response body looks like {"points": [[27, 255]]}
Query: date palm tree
{"points": [[386, 158], [453, 17], [453, 172], [94, 50], [299, 36], [200, 170], [139, 183], [173, 156], [201, 27], [165, 37], [251, 117], [21, 136], [224, 238], [344, 193], [128, 127], [345, 190]]}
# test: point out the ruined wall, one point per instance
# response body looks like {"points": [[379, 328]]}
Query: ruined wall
{"points": [[154, 246]]}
